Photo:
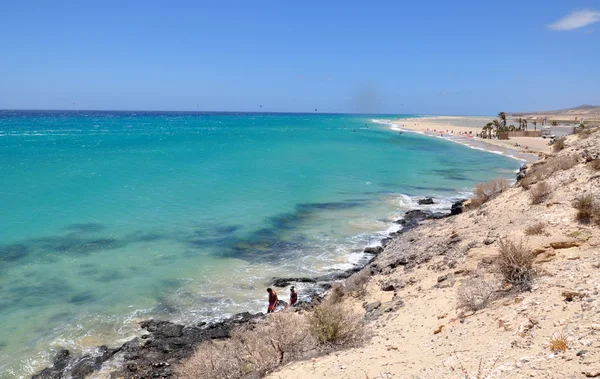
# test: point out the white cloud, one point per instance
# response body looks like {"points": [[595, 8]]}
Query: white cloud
{"points": [[575, 20]]}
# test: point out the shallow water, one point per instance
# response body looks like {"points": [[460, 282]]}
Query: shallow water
{"points": [[108, 218]]}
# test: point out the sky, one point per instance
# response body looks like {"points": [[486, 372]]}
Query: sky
{"points": [[426, 57]]}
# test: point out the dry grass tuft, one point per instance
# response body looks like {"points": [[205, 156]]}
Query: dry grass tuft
{"points": [[583, 133], [283, 337], [336, 295], [515, 263], [486, 191], [540, 192], [336, 324], [558, 343], [588, 209], [475, 294], [594, 165], [356, 285], [559, 144], [535, 229]]}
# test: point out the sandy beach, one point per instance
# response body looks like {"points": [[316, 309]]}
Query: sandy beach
{"points": [[463, 129]]}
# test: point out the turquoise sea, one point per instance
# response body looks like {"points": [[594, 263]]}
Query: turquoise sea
{"points": [[109, 218]]}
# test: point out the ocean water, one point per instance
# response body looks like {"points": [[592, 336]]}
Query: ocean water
{"points": [[109, 218]]}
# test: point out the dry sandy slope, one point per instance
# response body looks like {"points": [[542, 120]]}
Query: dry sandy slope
{"points": [[509, 339]]}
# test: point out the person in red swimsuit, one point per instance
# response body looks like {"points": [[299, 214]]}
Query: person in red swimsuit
{"points": [[293, 296], [273, 300]]}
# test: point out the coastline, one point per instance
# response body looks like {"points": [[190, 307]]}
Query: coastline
{"points": [[91, 363], [419, 283], [164, 344], [462, 129]]}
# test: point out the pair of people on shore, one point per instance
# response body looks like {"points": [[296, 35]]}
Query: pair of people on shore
{"points": [[273, 299]]}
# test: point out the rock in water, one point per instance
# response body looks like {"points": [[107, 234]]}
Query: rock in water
{"points": [[373, 250], [457, 207], [425, 201]]}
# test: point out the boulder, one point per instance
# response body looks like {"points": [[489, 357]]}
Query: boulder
{"points": [[373, 250], [457, 207], [425, 201], [372, 306]]}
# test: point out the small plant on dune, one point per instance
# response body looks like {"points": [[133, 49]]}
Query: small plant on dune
{"points": [[515, 263], [483, 192], [594, 165], [356, 285], [588, 209], [535, 229], [558, 343], [584, 133], [559, 144], [475, 294], [540, 192], [336, 294], [336, 324]]}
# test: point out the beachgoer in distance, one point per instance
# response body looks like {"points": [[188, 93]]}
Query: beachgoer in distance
{"points": [[273, 300], [293, 296]]}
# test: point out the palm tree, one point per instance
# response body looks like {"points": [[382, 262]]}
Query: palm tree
{"points": [[525, 123], [520, 120], [502, 117], [534, 124], [497, 125], [487, 129]]}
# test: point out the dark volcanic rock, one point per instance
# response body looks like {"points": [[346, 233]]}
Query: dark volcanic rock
{"points": [[522, 172], [152, 357], [457, 207], [372, 306], [425, 201], [385, 241], [284, 282], [163, 328], [373, 250], [413, 217], [61, 359]]}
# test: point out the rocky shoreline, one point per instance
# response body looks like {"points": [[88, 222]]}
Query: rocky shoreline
{"points": [[154, 354]]}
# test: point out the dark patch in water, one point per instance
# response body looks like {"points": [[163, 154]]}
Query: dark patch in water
{"points": [[273, 242], [451, 174], [60, 317], [48, 291], [327, 206], [90, 227], [82, 297], [110, 275], [145, 237], [221, 229], [3, 345], [14, 252]]}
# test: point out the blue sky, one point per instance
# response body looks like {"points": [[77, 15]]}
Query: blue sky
{"points": [[441, 57]]}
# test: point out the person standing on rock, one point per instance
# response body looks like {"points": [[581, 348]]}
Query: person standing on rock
{"points": [[293, 296], [273, 300]]}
